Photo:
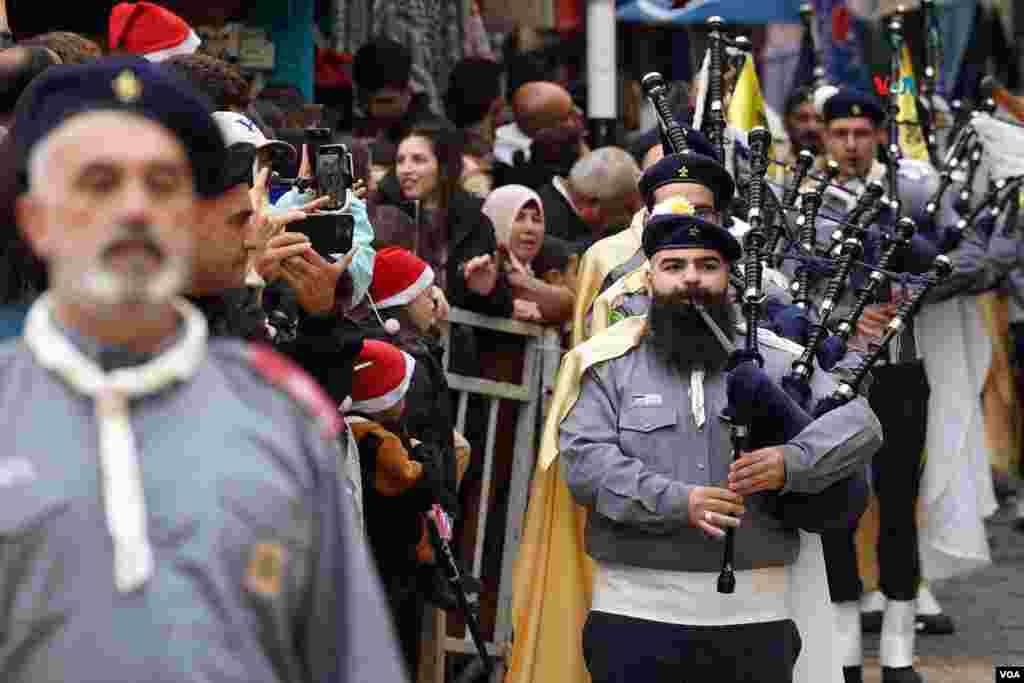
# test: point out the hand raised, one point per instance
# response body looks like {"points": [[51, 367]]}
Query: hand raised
{"points": [[481, 274]]}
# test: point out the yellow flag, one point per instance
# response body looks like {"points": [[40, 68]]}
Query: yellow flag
{"points": [[912, 143], [747, 110]]}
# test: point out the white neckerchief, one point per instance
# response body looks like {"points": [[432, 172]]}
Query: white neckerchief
{"points": [[697, 396], [120, 475]]}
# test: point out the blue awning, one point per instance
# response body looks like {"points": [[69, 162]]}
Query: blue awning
{"points": [[698, 11]]}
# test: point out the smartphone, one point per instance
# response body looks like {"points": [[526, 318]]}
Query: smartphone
{"points": [[330, 234], [335, 174]]}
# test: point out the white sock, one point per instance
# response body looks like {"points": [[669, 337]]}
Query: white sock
{"points": [[897, 645], [926, 602], [872, 602], [848, 633]]}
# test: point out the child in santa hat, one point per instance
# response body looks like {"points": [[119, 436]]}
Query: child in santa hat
{"points": [[401, 483]]}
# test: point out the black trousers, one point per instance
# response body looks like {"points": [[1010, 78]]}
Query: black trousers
{"points": [[624, 650], [899, 398]]}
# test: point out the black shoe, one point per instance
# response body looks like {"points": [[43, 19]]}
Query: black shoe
{"points": [[853, 674], [933, 624], [871, 622], [905, 674]]}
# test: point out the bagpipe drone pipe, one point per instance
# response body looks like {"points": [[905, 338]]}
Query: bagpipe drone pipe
{"points": [[673, 137], [764, 413], [760, 412]]}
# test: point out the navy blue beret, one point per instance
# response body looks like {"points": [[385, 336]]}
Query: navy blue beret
{"points": [[688, 168], [852, 104], [127, 84], [675, 231]]}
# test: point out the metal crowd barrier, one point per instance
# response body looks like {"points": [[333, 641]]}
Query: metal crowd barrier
{"points": [[542, 355]]}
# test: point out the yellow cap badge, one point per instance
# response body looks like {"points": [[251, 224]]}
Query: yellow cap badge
{"points": [[856, 110], [683, 172], [265, 572], [127, 87]]}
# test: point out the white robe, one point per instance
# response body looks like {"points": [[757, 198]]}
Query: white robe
{"points": [[956, 485]]}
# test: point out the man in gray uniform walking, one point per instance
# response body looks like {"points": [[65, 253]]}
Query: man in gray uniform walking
{"points": [[169, 506], [645, 450]]}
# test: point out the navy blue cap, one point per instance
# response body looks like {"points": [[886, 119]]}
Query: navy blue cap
{"points": [[127, 84], [848, 103], [688, 168], [676, 231]]}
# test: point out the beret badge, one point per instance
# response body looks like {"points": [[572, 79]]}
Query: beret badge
{"points": [[127, 87]]}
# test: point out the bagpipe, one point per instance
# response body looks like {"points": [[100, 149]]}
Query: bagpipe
{"points": [[673, 136]]}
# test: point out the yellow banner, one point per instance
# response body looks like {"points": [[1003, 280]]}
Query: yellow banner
{"points": [[912, 142]]}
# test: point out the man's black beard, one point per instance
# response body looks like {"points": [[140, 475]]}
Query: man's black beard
{"points": [[680, 336]]}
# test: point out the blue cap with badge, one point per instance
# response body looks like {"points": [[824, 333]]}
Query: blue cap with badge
{"points": [[127, 84], [676, 231], [688, 168], [848, 103]]}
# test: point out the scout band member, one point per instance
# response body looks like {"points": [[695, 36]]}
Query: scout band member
{"points": [[140, 541], [644, 450], [706, 187], [691, 184], [605, 255], [899, 396]]}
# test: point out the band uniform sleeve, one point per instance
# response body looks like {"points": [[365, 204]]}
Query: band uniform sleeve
{"points": [[973, 269], [603, 478], [834, 446]]}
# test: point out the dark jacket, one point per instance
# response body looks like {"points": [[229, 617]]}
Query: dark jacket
{"points": [[428, 408], [562, 221], [325, 347], [470, 234]]}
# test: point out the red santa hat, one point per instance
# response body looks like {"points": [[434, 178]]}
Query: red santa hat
{"points": [[399, 276], [381, 377], [149, 30]]}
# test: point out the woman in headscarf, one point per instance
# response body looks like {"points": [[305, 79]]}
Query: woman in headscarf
{"points": [[535, 266]]}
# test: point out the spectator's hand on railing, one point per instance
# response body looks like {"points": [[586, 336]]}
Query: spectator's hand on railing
{"points": [[481, 274], [527, 311]]}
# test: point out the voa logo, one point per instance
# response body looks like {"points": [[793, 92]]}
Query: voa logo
{"points": [[1009, 675]]}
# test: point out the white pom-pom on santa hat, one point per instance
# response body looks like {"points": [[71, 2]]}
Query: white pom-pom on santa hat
{"points": [[381, 377], [399, 276], [149, 30]]}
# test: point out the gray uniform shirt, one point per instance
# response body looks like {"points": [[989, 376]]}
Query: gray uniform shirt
{"points": [[632, 452], [261, 573]]}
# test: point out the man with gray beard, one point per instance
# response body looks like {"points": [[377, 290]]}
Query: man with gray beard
{"points": [[139, 542], [645, 449]]}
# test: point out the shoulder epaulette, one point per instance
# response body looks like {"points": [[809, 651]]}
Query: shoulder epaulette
{"points": [[284, 374]]}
